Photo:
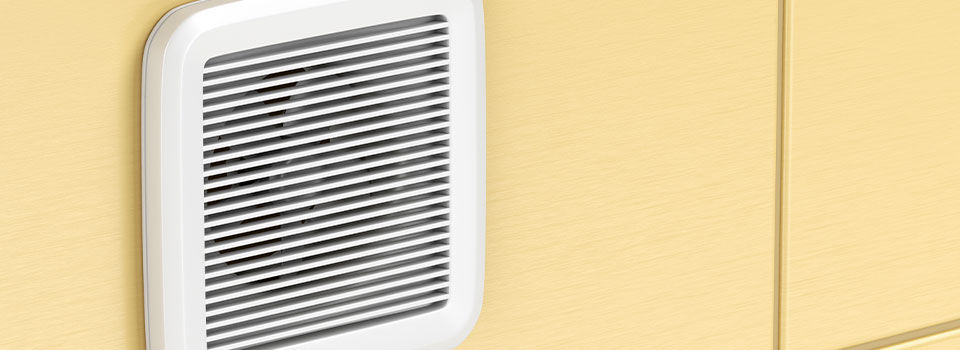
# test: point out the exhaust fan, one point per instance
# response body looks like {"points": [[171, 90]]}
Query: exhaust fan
{"points": [[313, 174]]}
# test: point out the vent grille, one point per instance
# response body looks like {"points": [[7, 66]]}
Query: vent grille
{"points": [[326, 184]]}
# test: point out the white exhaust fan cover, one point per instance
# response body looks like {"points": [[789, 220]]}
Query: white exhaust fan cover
{"points": [[313, 174]]}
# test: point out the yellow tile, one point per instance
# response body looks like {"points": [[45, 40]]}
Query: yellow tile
{"points": [[631, 174], [873, 183]]}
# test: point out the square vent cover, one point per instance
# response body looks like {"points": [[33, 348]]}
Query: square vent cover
{"points": [[313, 174]]}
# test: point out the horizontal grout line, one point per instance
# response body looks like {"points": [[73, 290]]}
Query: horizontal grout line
{"points": [[911, 338]]}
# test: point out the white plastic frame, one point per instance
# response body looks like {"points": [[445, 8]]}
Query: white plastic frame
{"points": [[180, 45]]}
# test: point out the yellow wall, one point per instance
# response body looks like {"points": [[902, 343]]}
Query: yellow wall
{"points": [[872, 225], [630, 144], [632, 164], [632, 157], [69, 172]]}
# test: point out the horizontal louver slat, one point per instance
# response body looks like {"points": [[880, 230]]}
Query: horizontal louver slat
{"points": [[313, 150], [302, 214], [336, 270], [300, 49], [324, 135], [322, 249], [281, 91], [307, 99], [344, 167], [375, 61], [291, 167], [313, 327], [352, 305], [364, 104], [326, 182], [306, 62], [351, 217], [342, 231], [236, 279], [259, 301], [419, 276], [341, 181], [269, 133]]}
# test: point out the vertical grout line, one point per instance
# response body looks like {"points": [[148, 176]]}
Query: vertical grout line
{"points": [[782, 23]]}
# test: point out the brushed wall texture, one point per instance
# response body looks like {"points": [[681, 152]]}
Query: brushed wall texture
{"points": [[631, 164], [631, 167], [872, 196], [70, 172]]}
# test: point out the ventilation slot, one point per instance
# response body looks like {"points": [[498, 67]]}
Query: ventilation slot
{"points": [[326, 184]]}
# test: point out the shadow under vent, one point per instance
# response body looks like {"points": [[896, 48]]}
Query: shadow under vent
{"points": [[326, 184]]}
